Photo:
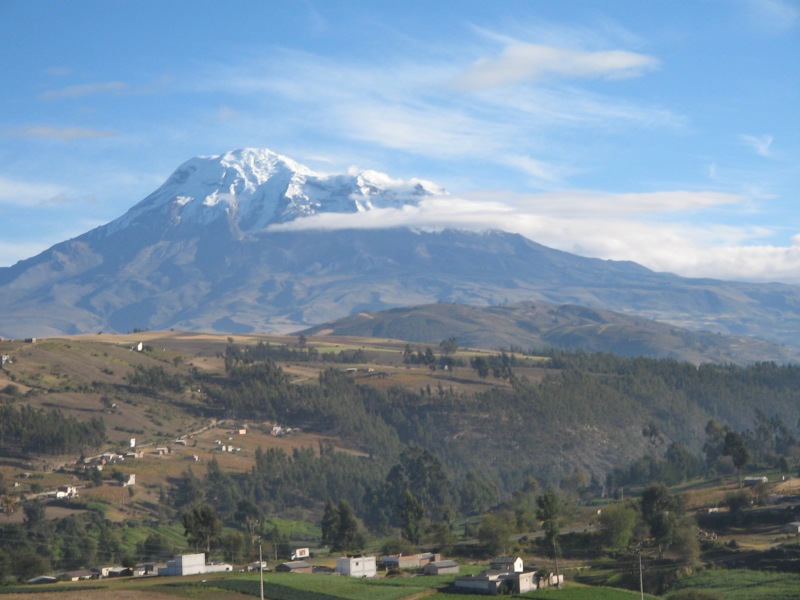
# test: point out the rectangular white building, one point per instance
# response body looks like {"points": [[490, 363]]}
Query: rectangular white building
{"points": [[356, 566]]}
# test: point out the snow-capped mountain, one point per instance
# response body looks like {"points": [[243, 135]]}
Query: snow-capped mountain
{"points": [[254, 188], [210, 250]]}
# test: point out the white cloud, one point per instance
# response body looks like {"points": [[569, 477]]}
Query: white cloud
{"points": [[603, 225], [412, 106], [521, 63], [760, 143]]}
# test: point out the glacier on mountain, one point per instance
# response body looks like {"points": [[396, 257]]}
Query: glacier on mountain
{"points": [[255, 188]]}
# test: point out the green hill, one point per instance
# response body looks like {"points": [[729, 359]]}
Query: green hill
{"points": [[540, 325]]}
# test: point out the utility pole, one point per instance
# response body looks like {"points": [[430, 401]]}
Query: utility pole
{"points": [[641, 582], [260, 570]]}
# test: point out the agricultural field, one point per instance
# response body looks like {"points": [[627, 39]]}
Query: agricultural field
{"points": [[287, 586]]}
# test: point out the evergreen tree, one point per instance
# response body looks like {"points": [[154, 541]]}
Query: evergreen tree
{"points": [[411, 515]]}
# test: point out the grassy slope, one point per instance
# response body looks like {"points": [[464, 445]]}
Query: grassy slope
{"points": [[539, 325]]}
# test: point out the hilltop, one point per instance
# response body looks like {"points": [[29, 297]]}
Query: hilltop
{"points": [[537, 325]]}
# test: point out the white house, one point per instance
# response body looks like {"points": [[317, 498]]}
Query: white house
{"points": [[185, 564], [192, 564], [356, 566], [510, 564]]}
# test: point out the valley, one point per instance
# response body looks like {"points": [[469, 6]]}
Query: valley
{"points": [[356, 419]]}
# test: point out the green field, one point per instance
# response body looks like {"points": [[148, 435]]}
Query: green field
{"points": [[291, 586], [739, 584]]}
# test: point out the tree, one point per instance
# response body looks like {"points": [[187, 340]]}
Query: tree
{"points": [[349, 536], [495, 532], [28, 563], [34, 514], [411, 515], [248, 514], [549, 512], [330, 523], [201, 527], [712, 447], [734, 447], [449, 346], [154, 547], [737, 502], [660, 510], [340, 528], [481, 365], [617, 523]]}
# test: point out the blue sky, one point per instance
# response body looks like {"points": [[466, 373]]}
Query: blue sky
{"points": [[665, 132]]}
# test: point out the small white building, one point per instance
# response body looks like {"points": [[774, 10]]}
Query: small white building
{"points": [[511, 564], [185, 564], [192, 564], [356, 566]]}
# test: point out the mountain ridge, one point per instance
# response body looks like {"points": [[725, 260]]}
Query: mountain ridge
{"points": [[203, 252], [531, 326]]}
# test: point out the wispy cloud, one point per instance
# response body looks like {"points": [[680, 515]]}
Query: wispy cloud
{"points": [[654, 229], [25, 193], [521, 63], [59, 133], [760, 143], [86, 89], [775, 15], [416, 107]]}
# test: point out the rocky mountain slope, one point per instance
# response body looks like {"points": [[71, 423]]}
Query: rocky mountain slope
{"points": [[203, 253]]}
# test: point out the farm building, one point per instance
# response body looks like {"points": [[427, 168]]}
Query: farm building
{"points": [[356, 566], [496, 582], [294, 566], [441, 567], [192, 564], [511, 564]]}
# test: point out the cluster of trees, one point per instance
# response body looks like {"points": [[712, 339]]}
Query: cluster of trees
{"points": [[156, 378], [582, 399], [263, 351], [427, 357], [340, 528], [40, 545], [499, 365], [27, 429]]}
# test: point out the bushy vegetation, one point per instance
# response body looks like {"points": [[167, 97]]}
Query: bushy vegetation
{"points": [[26, 429]]}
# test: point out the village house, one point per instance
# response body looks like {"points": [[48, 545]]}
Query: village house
{"points": [[441, 567], [511, 564], [295, 566], [192, 564], [496, 582], [408, 561], [64, 492], [101, 571], [510, 577], [356, 566], [80, 575]]}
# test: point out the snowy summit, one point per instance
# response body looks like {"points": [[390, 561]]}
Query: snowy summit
{"points": [[255, 188]]}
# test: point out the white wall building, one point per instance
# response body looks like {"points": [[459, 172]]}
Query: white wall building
{"points": [[356, 566], [185, 564]]}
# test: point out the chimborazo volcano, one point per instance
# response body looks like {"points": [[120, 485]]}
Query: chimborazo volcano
{"points": [[221, 247]]}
